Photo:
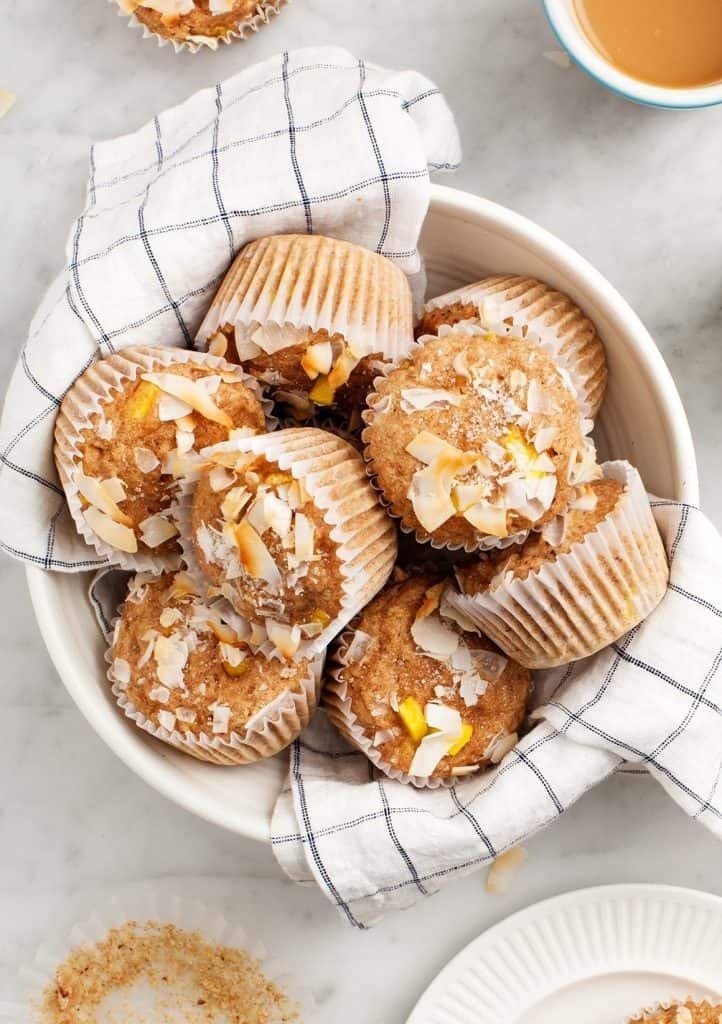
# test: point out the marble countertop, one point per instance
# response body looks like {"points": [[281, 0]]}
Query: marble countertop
{"points": [[635, 190]]}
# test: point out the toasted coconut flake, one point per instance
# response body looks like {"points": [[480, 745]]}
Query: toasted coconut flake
{"points": [[160, 694], [121, 671], [116, 534], [537, 400], [502, 871], [156, 530], [487, 519], [191, 392], [553, 531], [382, 736], [304, 534], [105, 429], [434, 638], [172, 408], [418, 399], [220, 478], [185, 715], [184, 439], [432, 600], [166, 719], [234, 503], [182, 586], [442, 717], [221, 718], [426, 447], [232, 655], [218, 344], [359, 647], [278, 514], [499, 746], [169, 616], [431, 750], [460, 365], [7, 101], [146, 460], [584, 501], [430, 496], [286, 639], [104, 495], [545, 438], [255, 557], [171, 655]]}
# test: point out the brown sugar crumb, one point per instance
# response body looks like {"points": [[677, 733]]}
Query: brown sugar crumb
{"points": [[683, 1013], [192, 979]]}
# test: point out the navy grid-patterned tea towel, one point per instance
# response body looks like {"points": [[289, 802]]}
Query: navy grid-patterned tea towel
{"points": [[654, 699], [311, 141]]}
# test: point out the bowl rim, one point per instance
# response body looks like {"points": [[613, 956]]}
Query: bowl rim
{"points": [[571, 36], [161, 773]]}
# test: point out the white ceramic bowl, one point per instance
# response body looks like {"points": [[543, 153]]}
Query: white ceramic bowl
{"points": [[642, 420], [572, 37]]}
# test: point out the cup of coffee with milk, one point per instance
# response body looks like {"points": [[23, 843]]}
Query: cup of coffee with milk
{"points": [[663, 53]]}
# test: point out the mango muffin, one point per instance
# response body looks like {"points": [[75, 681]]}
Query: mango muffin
{"points": [[527, 308], [475, 439], [311, 316], [424, 699], [288, 528], [187, 672], [129, 428], [688, 1012], [190, 24], [589, 577]]}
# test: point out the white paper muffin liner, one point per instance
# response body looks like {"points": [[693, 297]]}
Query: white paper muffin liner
{"points": [[265, 10], [333, 476], [374, 403], [525, 307], [86, 398], [587, 597], [337, 705], [270, 730], [148, 901], [303, 283]]}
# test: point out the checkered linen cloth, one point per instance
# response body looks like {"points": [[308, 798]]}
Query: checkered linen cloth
{"points": [[654, 699], [312, 141]]}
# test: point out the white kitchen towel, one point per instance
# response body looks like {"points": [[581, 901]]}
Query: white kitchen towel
{"points": [[311, 141], [654, 699]]}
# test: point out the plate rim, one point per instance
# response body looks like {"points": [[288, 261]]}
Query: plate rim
{"points": [[512, 923]]}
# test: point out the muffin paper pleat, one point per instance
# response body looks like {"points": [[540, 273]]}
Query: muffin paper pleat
{"points": [[587, 597]]}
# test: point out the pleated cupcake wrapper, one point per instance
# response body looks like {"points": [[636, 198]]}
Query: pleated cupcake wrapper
{"points": [[268, 731], [106, 378], [337, 705], [589, 596], [265, 10], [333, 475], [312, 283], [148, 901], [374, 398], [550, 319]]}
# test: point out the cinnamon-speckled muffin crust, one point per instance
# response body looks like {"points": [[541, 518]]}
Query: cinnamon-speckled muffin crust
{"points": [[186, 667], [490, 693], [475, 437]]}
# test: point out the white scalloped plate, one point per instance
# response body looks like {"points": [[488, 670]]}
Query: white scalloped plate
{"points": [[589, 957]]}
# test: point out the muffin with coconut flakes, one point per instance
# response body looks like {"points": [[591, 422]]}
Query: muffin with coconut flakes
{"points": [[590, 576], [290, 531], [192, 23], [185, 670], [312, 318], [475, 439], [688, 1012], [421, 696], [530, 309], [129, 428]]}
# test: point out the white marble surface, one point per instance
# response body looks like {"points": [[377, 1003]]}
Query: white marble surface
{"points": [[637, 191]]}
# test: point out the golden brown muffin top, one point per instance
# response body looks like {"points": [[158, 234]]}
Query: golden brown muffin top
{"points": [[475, 436], [258, 535], [591, 504], [688, 1012], [183, 19], [403, 658], [141, 441], [187, 665]]}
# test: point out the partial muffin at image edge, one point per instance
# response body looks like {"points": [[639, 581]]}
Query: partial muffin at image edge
{"points": [[687, 1012], [186, 670], [425, 700], [193, 24], [127, 431]]}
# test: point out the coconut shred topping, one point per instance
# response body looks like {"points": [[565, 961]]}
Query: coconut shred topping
{"points": [[512, 473], [265, 537], [174, 398]]}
